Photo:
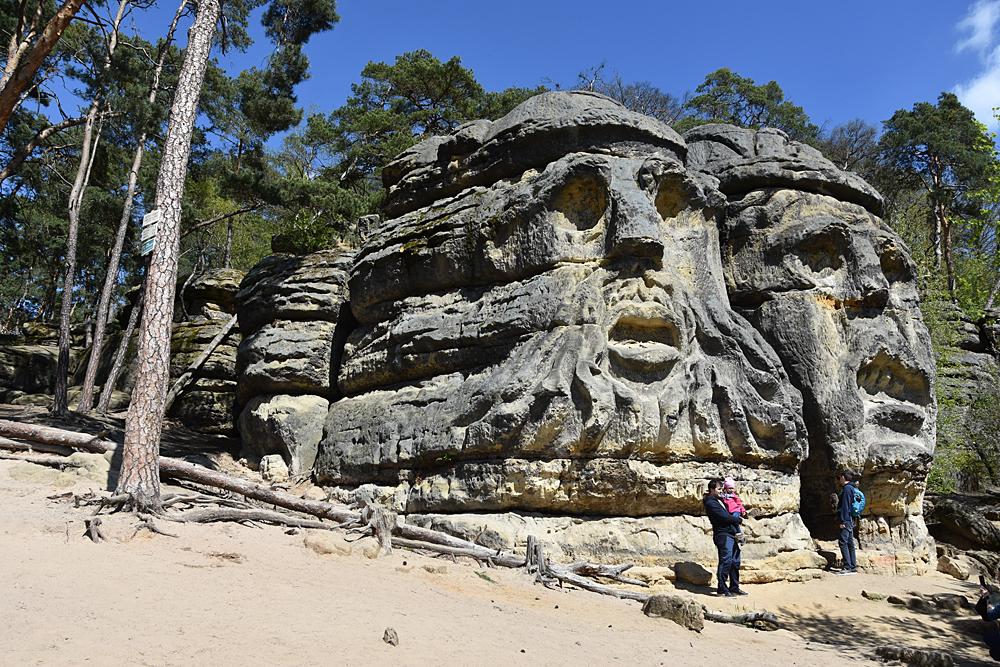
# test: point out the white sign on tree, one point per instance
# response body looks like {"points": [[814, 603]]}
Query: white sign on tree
{"points": [[150, 223]]}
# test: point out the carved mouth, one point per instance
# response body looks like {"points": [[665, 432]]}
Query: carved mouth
{"points": [[895, 394], [887, 376], [643, 344]]}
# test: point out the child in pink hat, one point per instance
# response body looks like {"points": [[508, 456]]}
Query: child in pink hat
{"points": [[733, 504]]}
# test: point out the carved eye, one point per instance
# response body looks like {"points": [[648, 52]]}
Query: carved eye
{"points": [[823, 252], [665, 180], [671, 198], [896, 266], [582, 202]]}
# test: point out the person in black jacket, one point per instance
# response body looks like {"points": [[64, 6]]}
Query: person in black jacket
{"points": [[847, 548], [724, 530]]}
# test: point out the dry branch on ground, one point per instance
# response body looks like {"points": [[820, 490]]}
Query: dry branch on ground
{"points": [[370, 519]]}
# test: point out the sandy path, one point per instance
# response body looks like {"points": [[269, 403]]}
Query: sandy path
{"points": [[229, 594]]}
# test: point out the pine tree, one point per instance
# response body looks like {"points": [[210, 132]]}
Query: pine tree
{"points": [[139, 479]]}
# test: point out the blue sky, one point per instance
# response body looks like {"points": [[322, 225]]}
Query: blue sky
{"points": [[839, 60]]}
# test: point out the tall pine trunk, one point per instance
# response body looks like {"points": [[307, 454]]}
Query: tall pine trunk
{"points": [[111, 277], [140, 471], [88, 150], [18, 78]]}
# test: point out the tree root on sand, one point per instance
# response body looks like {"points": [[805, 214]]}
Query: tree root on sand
{"points": [[367, 519]]}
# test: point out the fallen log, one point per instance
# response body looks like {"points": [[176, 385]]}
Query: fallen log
{"points": [[214, 515], [481, 554], [180, 469], [184, 470], [568, 577], [15, 446], [50, 460], [403, 534], [50, 435], [750, 618], [613, 572]]}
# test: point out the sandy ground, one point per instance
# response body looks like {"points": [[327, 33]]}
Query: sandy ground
{"points": [[230, 594]]}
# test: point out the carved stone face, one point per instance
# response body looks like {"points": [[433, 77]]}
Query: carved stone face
{"points": [[553, 339], [833, 290]]}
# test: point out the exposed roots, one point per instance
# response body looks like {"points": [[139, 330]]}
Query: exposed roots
{"points": [[147, 523], [365, 518], [93, 530]]}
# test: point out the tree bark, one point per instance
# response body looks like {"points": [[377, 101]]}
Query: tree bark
{"points": [[86, 401], [227, 256], [20, 38], [87, 153], [139, 478], [19, 80]]}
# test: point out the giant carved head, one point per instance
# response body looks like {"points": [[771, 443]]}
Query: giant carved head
{"points": [[544, 324], [833, 290]]}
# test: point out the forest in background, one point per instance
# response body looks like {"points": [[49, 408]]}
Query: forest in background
{"points": [[84, 105]]}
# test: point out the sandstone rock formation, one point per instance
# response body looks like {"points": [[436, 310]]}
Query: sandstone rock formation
{"points": [[833, 290], [289, 308], [206, 404], [572, 318], [28, 362]]}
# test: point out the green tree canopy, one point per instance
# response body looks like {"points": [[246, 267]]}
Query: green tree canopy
{"points": [[331, 165], [727, 97], [942, 149]]}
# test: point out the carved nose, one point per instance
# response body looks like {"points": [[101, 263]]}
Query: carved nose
{"points": [[868, 277], [635, 230]]}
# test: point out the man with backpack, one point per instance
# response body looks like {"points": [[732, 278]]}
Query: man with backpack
{"points": [[849, 508]]}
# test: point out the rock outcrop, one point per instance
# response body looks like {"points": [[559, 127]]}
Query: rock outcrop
{"points": [[289, 308], [573, 317], [833, 290], [206, 404]]}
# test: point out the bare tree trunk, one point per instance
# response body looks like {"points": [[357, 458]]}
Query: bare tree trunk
{"points": [[22, 74], [993, 295], [140, 478], [61, 404], [949, 264], [108, 389], [111, 278], [227, 259], [20, 38], [87, 153]]}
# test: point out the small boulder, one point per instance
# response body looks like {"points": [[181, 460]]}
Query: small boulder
{"points": [[390, 637], [273, 468], [682, 611], [281, 424], [692, 573], [327, 544], [951, 601], [872, 595], [315, 493], [955, 566]]}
